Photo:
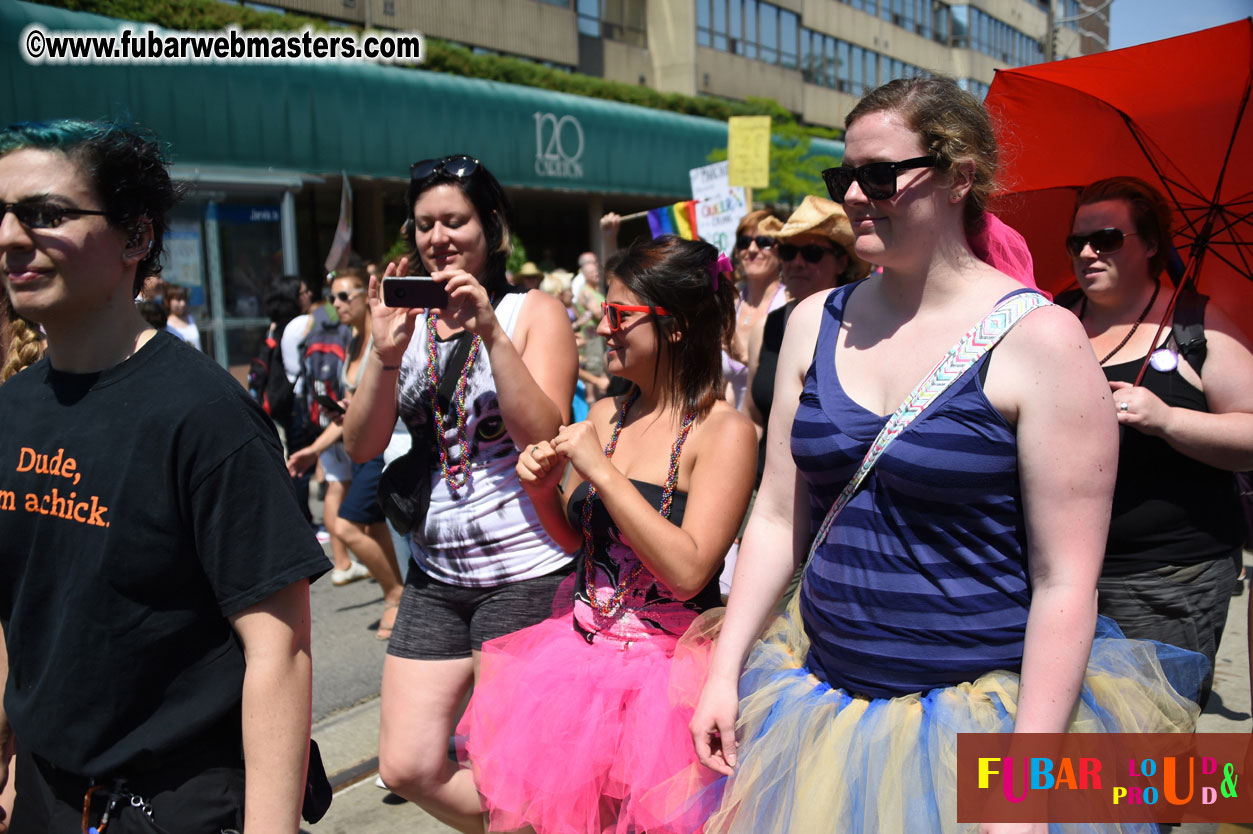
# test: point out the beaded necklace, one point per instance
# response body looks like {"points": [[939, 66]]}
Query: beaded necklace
{"points": [[1083, 308], [457, 476], [610, 606]]}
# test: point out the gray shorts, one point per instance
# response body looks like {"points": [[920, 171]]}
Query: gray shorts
{"points": [[438, 621]]}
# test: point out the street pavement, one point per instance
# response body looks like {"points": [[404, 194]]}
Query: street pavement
{"points": [[347, 672]]}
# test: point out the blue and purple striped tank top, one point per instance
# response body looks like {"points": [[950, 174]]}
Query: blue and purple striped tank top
{"points": [[922, 582]]}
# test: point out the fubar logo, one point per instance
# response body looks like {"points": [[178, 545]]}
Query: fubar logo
{"points": [[558, 146]]}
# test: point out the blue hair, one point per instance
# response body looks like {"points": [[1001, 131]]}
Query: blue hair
{"points": [[127, 169]]}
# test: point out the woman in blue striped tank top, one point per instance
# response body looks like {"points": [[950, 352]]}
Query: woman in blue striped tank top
{"points": [[955, 592]]}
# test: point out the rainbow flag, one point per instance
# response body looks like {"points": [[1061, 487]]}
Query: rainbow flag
{"points": [[678, 219]]}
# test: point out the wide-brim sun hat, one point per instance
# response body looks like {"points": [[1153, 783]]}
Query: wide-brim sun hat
{"points": [[529, 270], [823, 217]]}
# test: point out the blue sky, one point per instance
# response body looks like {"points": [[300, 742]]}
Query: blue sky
{"points": [[1139, 21]]}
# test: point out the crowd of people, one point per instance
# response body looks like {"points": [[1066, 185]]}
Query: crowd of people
{"points": [[932, 500]]}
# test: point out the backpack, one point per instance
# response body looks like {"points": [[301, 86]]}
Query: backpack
{"points": [[323, 354], [267, 380]]}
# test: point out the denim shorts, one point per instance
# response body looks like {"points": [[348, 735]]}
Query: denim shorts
{"points": [[360, 503], [438, 621]]}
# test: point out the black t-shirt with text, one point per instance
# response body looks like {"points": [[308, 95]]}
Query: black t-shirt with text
{"points": [[140, 507]]}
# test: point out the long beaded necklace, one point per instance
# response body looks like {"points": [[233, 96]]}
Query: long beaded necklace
{"points": [[610, 606], [458, 476], [1083, 308]]}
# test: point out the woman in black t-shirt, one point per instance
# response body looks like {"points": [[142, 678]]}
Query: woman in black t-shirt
{"points": [[1176, 530]]}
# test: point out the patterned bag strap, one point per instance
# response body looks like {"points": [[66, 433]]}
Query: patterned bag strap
{"points": [[961, 357]]}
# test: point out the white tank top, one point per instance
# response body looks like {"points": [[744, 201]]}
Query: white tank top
{"points": [[489, 534]]}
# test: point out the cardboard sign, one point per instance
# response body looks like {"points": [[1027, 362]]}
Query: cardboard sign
{"points": [[748, 151]]}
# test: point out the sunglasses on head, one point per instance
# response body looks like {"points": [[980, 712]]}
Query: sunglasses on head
{"points": [[458, 165], [613, 312], [877, 179], [744, 241], [1101, 241], [40, 214], [345, 297], [811, 252]]}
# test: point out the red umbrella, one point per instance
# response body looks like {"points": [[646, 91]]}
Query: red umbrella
{"points": [[1175, 113]]}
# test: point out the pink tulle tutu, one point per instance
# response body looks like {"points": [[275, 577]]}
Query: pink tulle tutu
{"points": [[572, 737]]}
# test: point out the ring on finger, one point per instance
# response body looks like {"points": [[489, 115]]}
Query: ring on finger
{"points": [[1124, 407]]}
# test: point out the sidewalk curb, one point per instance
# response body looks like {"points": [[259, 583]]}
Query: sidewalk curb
{"points": [[349, 743]]}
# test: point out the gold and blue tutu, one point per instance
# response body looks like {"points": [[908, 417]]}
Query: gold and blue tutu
{"points": [[814, 759]]}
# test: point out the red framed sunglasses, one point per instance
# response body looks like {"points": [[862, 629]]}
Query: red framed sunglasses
{"points": [[613, 312]]}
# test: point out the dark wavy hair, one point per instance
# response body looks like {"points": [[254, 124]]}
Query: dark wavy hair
{"points": [[495, 216], [126, 166], [1149, 211], [674, 274]]}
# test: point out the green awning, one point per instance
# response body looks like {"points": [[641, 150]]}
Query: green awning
{"points": [[362, 118]]}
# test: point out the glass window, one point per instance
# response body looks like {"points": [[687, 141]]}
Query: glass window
{"points": [[589, 18], [830, 63], [844, 67], [940, 34], [859, 70], [703, 23], [720, 24], [788, 26], [809, 63], [768, 35], [750, 28], [960, 17], [736, 29]]}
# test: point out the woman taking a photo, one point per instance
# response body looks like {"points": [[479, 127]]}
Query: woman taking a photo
{"points": [[1177, 531], [571, 727], [482, 564], [955, 590]]}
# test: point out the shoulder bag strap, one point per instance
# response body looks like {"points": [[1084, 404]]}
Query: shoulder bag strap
{"points": [[961, 357]]}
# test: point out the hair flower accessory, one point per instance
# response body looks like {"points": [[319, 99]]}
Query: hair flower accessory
{"points": [[716, 268]]}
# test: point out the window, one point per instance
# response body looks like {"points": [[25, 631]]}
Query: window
{"points": [[589, 18], [751, 14], [788, 29], [704, 36], [720, 24], [768, 33], [737, 27], [619, 20]]}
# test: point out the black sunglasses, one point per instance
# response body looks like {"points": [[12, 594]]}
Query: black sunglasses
{"points": [[745, 241], [41, 215], [811, 252], [1101, 241], [458, 165], [345, 297], [877, 179]]}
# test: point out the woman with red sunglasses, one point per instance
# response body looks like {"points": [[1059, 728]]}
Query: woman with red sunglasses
{"points": [[1177, 529], [572, 725]]}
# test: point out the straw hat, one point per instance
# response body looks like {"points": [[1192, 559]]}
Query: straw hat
{"points": [[770, 226], [529, 270], [820, 216]]}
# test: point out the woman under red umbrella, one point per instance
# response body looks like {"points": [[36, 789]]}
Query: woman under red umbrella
{"points": [[1177, 527]]}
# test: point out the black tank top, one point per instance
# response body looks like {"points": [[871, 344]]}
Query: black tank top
{"points": [[1168, 507]]}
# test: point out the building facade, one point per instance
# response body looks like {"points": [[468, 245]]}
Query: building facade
{"points": [[815, 57]]}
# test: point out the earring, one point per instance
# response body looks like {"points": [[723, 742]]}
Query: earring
{"points": [[954, 197]]}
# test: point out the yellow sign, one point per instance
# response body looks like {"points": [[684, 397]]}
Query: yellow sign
{"points": [[748, 151]]}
